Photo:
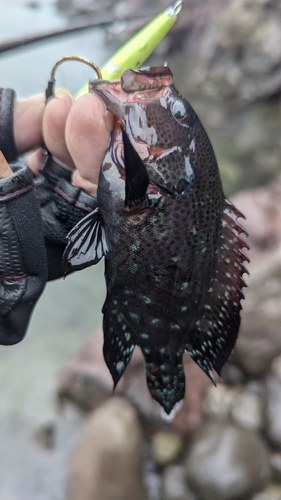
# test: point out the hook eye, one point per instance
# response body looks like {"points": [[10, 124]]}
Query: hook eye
{"points": [[50, 90]]}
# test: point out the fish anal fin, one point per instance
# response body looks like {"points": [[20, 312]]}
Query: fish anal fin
{"points": [[86, 243], [213, 335]]}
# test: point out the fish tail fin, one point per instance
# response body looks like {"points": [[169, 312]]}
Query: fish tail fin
{"points": [[118, 344], [165, 380]]}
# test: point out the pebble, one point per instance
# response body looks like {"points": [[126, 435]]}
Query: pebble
{"points": [[226, 462], [174, 486], [107, 462], [247, 410], [166, 447], [219, 401]]}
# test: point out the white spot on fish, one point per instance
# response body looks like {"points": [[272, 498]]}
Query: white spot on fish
{"points": [[192, 145]]}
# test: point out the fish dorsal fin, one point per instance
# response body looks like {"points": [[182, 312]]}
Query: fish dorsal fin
{"points": [[86, 243], [214, 334], [137, 178]]}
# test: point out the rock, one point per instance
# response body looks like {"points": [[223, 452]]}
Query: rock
{"points": [[174, 486], [219, 401], [247, 410], [271, 492], [106, 463], [273, 403], [190, 417], [232, 374], [166, 447], [226, 462], [45, 435], [86, 381], [259, 340], [238, 49], [275, 463]]}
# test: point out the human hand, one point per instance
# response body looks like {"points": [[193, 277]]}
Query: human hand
{"points": [[75, 132]]}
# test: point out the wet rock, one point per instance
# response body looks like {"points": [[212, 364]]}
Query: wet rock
{"points": [[107, 460], [174, 486], [86, 381], [166, 447], [273, 403], [271, 492], [226, 462]]}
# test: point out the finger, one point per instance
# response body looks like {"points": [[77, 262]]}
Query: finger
{"points": [[87, 135], [28, 116], [36, 160], [54, 121], [5, 169], [82, 183]]}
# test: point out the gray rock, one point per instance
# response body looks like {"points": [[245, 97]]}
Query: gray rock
{"points": [[219, 401], [226, 462], [271, 492], [174, 486], [248, 410], [106, 463], [86, 381], [273, 403], [275, 463]]}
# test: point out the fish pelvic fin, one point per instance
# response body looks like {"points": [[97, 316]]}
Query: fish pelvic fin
{"points": [[165, 378], [119, 342], [137, 178], [86, 243], [212, 338]]}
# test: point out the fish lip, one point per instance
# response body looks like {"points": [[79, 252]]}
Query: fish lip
{"points": [[111, 98]]}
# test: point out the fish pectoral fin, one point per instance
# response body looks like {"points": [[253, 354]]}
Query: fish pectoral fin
{"points": [[137, 178], [86, 243]]}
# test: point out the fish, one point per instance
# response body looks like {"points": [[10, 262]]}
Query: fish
{"points": [[173, 247]]}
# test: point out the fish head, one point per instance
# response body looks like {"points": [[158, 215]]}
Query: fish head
{"points": [[158, 122]]}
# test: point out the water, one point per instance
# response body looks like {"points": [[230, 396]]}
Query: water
{"points": [[69, 310]]}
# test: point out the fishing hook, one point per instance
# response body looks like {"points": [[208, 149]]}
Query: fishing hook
{"points": [[51, 83]]}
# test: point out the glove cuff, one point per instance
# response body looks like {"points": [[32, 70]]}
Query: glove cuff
{"points": [[15, 185]]}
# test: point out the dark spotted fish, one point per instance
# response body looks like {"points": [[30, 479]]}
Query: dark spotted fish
{"points": [[172, 244]]}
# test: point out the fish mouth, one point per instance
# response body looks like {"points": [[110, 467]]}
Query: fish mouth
{"points": [[115, 94]]}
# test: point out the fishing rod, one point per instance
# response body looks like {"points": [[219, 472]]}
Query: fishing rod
{"points": [[101, 21]]}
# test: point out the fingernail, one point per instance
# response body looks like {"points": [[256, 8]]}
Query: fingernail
{"points": [[61, 92]]}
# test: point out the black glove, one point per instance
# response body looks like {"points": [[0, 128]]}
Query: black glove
{"points": [[23, 261], [62, 206]]}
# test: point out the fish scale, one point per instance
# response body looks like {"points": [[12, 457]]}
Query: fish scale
{"points": [[173, 247]]}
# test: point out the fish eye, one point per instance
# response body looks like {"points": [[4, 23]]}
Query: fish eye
{"points": [[179, 110]]}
